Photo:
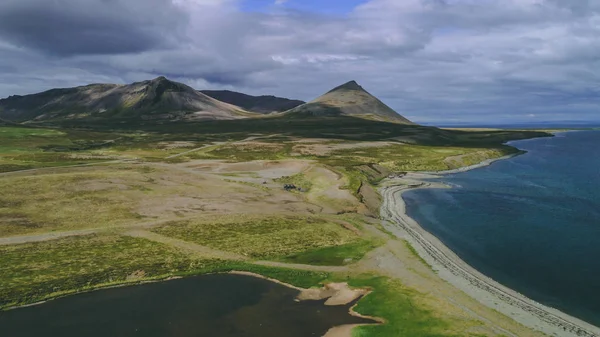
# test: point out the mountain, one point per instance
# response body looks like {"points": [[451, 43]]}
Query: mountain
{"points": [[157, 99], [349, 99], [5, 123], [163, 100], [258, 104]]}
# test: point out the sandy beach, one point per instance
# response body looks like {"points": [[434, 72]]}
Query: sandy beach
{"points": [[458, 273]]}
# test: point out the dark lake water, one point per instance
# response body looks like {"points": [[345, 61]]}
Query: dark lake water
{"points": [[531, 222], [211, 306]]}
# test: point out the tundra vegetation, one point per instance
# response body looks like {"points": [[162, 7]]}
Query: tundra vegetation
{"points": [[124, 203]]}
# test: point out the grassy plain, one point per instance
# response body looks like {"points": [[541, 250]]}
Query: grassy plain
{"points": [[29, 272], [263, 238], [34, 272], [337, 255], [91, 197], [60, 201], [197, 182], [399, 306], [24, 148]]}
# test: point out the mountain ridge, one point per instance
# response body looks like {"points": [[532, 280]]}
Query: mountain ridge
{"points": [[264, 104], [159, 99]]}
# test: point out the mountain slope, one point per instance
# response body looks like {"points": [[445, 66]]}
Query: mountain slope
{"points": [[4, 123], [349, 99], [258, 104], [158, 99]]}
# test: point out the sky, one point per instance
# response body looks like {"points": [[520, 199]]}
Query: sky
{"points": [[433, 61]]}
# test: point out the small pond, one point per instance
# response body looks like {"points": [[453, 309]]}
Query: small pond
{"points": [[213, 305]]}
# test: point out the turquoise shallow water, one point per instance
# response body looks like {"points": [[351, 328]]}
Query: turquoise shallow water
{"points": [[531, 222]]}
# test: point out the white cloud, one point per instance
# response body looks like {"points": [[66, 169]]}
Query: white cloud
{"points": [[431, 59]]}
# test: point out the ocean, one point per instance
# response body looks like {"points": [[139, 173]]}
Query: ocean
{"points": [[531, 222]]}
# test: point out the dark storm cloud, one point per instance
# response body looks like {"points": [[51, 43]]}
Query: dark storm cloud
{"points": [[71, 27], [432, 60]]}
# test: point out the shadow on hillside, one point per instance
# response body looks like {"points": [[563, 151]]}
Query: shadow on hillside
{"points": [[338, 127]]}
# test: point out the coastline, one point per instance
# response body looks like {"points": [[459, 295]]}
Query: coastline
{"points": [[484, 163], [457, 272], [333, 294]]}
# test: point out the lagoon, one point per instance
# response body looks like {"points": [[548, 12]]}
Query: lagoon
{"points": [[211, 305]]}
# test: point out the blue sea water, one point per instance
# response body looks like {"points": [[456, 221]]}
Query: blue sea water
{"points": [[531, 222]]}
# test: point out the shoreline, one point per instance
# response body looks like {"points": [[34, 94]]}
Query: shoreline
{"points": [[333, 293], [484, 163], [457, 272], [307, 294]]}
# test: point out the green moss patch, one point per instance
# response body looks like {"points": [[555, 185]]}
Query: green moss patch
{"points": [[270, 238], [400, 307], [335, 256], [30, 272]]}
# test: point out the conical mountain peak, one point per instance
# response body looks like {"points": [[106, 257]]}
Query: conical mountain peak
{"points": [[352, 85], [159, 79], [352, 100]]}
